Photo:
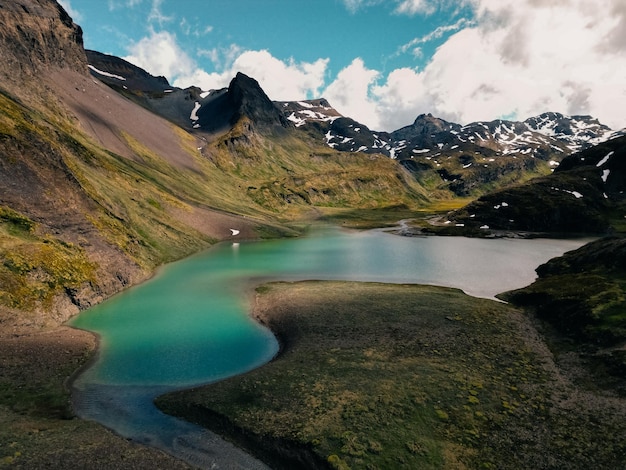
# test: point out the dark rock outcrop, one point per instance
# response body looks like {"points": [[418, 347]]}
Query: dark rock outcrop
{"points": [[36, 34]]}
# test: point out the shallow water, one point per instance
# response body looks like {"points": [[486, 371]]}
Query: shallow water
{"points": [[189, 325]]}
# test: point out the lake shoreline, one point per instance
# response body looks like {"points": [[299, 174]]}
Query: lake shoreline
{"points": [[93, 356]]}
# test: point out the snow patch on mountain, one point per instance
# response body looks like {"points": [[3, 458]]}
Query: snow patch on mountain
{"points": [[605, 159], [106, 74], [194, 113]]}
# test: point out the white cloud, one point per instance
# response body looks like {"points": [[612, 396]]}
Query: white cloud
{"points": [[160, 54], [281, 81], [354, 5], [400, 99], [194, 29], [519, 58], [413, 45], [75, 14], [412, 7], [350, 93], [156, 14], [222, 57], [531, 56]]}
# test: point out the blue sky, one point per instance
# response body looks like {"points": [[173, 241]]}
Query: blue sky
{"points": [[383, 62]]}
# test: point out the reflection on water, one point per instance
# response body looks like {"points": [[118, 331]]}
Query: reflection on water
{"points": [[190, 325]]}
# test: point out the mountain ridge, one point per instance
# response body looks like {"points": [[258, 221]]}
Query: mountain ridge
{"points": [[467, 160]]}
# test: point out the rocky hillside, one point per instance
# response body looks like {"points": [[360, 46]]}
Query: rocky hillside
{"points": [[36, 34], [584, 194]]}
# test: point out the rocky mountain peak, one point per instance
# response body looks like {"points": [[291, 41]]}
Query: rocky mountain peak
{"points": [[36, 34], [577, 131], [248, 99], [427, 128]]}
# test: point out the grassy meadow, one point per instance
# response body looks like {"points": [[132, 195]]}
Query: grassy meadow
{"points": [[375, 376]]}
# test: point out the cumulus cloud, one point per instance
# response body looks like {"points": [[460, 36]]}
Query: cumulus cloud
{"points": [[400, 97], [281, 81], [350, 94], [160, 54], [515, 59], [527, 57]]}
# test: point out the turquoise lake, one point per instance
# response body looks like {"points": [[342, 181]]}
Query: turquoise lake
{"points": [[190, 324]]}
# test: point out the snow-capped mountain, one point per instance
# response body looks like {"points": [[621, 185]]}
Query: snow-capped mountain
{"points": [[466, 160], [549, 134]]}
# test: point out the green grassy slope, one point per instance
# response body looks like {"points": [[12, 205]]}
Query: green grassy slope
{"points": [[378, 376]]}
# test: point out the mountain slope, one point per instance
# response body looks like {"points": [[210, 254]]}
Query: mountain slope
{"points": [[585, 194]]}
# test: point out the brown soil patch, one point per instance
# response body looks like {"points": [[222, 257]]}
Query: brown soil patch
{"points": [[216, 224], [104, 114]]}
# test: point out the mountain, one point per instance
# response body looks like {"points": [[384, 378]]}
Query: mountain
{"points": [[206, 111], [584, 194], [98, 188], [468, 160], [444, 157], [122, 75]]}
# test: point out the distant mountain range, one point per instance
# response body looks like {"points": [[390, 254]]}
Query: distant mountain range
{"points": [[467, 160]]}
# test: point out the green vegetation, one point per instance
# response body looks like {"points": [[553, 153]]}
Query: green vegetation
{"points": [[473, 175], [389, 216], [34, 269], [582, 295], [376, 376]]}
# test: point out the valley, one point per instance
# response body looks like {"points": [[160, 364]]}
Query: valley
{"points": [[108, 173]]}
